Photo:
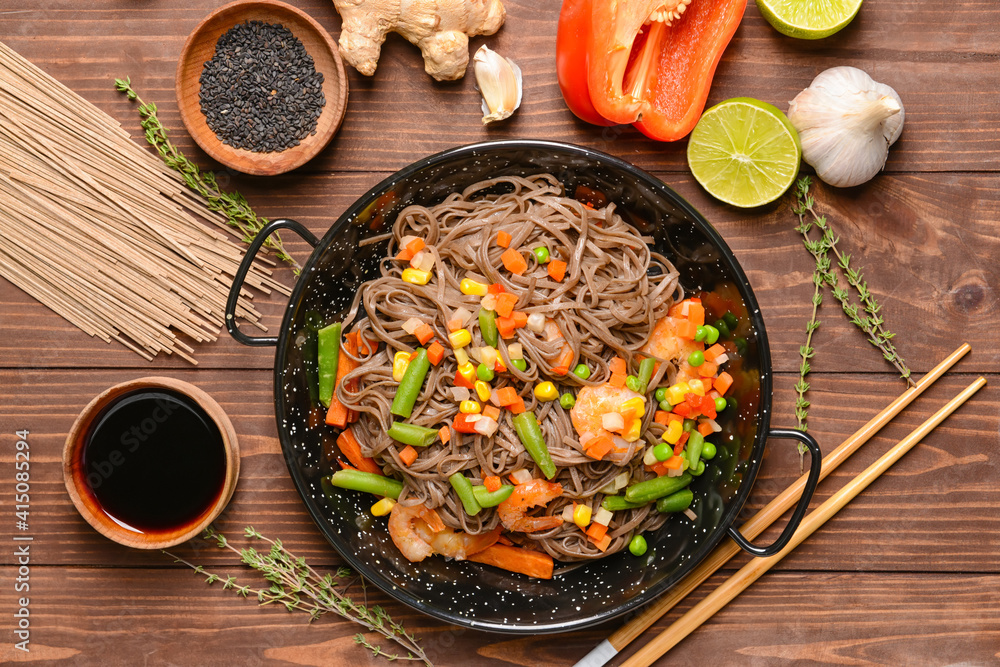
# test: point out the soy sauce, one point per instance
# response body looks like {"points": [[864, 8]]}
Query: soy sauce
{"points": [[154, 461]]}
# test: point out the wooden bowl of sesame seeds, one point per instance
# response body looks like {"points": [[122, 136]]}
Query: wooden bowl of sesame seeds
{"points": [[261, 87]]}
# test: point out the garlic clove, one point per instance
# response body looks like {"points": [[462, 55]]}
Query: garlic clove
{"points": [[846, 123], [499, 81]]}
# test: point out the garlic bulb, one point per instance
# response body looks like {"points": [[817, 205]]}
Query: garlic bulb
{"points": [[846, 122], [499, 81]]}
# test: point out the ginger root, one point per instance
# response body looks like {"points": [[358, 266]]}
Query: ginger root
{"points": [[440, 28]]}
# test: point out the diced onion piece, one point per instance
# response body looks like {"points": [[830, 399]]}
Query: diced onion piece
{"points": [[608, 489], [475, 352], [586, 437], [522, 476], [567, 514], [620, 444], [473, 418], [675, 472], [621, 481], [721, 359], [515, 351], [488, 357], [462, 315], [612, 421], [603, 517], [460, 393], [714, 424], [406, 240], [486, 426], [684, 308], [691, 515], [426, 261], [489, 302], [415, 262], [649, 458], [411, 325], [536, 322], [495, 398]]}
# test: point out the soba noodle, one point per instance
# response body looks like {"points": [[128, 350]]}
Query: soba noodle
{"points": [[614, 291]]}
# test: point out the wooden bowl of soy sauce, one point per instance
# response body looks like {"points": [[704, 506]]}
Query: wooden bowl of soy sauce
{"points": [[150, 463]]}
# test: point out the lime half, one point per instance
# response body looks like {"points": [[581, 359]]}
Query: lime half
{"points": [[808, 19], [744, 152]]}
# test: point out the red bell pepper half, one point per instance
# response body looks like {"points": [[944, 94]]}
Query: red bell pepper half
{"points": [[655, 75]]}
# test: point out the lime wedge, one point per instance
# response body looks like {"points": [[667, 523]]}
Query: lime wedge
{"points": [[744, 152], [808, 19]]}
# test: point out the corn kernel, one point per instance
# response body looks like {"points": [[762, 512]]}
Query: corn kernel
{"points": [[468, 371], [546, 391], [461, 356], [638, 404], [383, 507], [400, 363], [416, 276], [468, 286], [482, 390], [632, 432], [460, 338], [674, 430], [581, 515], [675, 394], [697, 388], [469, 407]]}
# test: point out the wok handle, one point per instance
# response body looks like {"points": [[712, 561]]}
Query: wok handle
{"points": [[815, 463], [241, 274]]}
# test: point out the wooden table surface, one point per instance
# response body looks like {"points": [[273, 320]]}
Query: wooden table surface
{"points": [[909, 573]]}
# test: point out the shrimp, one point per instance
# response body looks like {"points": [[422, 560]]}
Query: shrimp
{"points": [[513, 511], [666, 344], [593, 402], [418, 532]]}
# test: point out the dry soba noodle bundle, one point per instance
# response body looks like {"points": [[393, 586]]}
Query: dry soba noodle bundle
{"points": [[613, 293]]}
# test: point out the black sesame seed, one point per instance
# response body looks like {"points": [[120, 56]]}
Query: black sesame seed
{"points": [[261, 91]]}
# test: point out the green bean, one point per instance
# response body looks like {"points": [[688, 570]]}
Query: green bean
{"points": [[531, 437], [651, 489], [357, 480], [410, 385], [488, 327], [411, 434], [646, 373], [328, 356], [463, 487], [487, 498], [675, 502], [618, 503], [694, 446]]}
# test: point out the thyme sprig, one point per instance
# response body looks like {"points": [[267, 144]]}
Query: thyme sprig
{"points": [[298, 587], [231, 204], [871, 323]]}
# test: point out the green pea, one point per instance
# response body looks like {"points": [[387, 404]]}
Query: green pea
{"points": [[723, 328], [638, 545], [665, 405], [698, 470], [720, 404], [708, 451], [663, 451], [632, 382], [712, 337], [741, 346], [541, 254], [661, 394], [689, 425], [567, 400], [699, 334], [696, 358], [731, 320], [519, 364], [484, 372], [582, 371]]}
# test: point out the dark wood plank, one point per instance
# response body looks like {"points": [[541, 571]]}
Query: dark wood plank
{"points": [[400, 115], [934, 511], [927, 242], [148, 616]]}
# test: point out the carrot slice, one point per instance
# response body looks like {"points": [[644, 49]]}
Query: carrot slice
{"points": [[408, 455], [617, 365], [435, 353], [686, 329], [445, 434], [503, 239], [513, 261], [494, 289], [515, 559], [713, 353], [618, 380], [705, 429], [596, 531], [557, 270], [505, 327], [696, 313], [404, 255], [491, 411], [602, 543], [661, 417], [708, 369], [506, 396], [599, 447], [520, 319], [565, 357], [416, 245], [723, 382], [517, 407], [424, 333], [454, 324], [350, 448], [505, 304], [491, 482], [338, 414]]}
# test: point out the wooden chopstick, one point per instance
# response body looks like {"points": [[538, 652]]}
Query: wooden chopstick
{"points": [[770, 513], [753, 570]]}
